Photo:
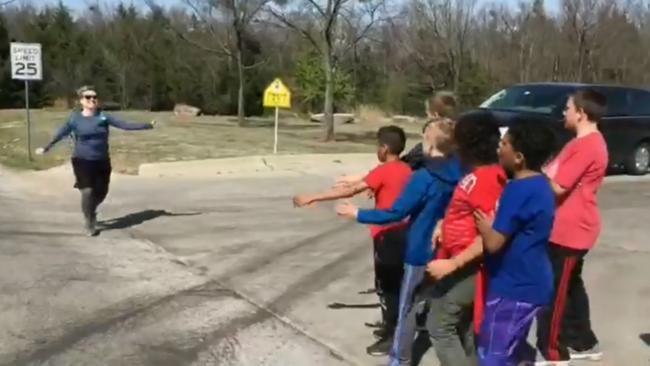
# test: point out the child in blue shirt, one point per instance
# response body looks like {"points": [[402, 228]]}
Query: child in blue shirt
{"points": [[520, 279], [424, 201]]}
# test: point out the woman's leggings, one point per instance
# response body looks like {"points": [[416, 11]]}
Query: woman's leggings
{"points": [[91, 198]]}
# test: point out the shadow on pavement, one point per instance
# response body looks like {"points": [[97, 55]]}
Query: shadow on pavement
{"points": [[645, 337], [367, 292], [138, 218], [339, 305]]}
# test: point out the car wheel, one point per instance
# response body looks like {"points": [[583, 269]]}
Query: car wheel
{"points": [[639, 160]]}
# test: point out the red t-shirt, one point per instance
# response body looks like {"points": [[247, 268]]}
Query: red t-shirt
{"points": [[580, 169], [480, 190], [386, 182]]}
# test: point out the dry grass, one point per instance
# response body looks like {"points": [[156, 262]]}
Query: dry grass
{"points": [[371, 114], [176, 140]]}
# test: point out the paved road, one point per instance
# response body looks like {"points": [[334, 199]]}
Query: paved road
{"points": [[226, 272]]}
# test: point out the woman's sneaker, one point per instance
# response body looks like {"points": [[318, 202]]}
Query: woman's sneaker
{"points": [[90, 227], [592, 354]]}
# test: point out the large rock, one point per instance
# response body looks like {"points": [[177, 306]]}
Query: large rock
{"points": [[404, 119], [339, 118], [185, 110]]}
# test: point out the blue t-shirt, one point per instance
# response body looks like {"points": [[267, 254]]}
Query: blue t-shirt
{"points": [[91, 134], [521, 270]]}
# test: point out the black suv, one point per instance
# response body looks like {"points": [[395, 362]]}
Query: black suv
{"points": [[626, 127]]}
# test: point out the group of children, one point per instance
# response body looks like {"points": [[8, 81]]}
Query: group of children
{"points": [[483, 234]]}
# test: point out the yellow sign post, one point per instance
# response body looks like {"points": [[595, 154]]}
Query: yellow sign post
{"points": [[277, 96]]}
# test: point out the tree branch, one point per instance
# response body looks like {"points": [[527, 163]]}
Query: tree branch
{"points": [[320, 10], [303, 32], [222, 51], [258, 63]]}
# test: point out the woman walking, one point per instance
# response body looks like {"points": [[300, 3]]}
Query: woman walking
{"points": [[91, 160]]}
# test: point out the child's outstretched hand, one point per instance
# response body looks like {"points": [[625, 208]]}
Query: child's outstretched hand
{"points": [[347, 209], [302, 200], [483, 221], [441, 268]]}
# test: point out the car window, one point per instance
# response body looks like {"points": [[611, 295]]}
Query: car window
{"points": [[546, 99], [639, 103], [617, 101]]}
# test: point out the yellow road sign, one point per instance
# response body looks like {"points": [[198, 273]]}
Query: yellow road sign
{"points": [[277, 95]]}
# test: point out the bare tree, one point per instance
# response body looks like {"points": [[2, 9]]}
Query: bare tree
{"points": [[228, 24], [580, 17], [318, 21], [444, 25]]}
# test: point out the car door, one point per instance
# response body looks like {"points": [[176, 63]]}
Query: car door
{"points": [[617, 126]]}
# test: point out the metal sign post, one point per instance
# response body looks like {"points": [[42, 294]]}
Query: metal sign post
{"points": [[27, 64], [275, 139], [29, 122], [277, 96]]}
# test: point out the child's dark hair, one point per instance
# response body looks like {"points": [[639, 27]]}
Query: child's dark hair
{"points": [[534, 140], [393, 137], [592, 102], [477, 138]]}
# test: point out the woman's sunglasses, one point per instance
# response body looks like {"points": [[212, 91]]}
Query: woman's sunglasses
{"points": [[89, 97]]}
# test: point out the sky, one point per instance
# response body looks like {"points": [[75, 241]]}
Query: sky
{"points": [[552, 5]]}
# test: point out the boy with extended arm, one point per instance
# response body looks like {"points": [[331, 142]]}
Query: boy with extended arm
{"points": [[424, 200], [385, 182]]}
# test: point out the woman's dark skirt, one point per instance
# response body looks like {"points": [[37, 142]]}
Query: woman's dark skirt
{"points": [[95, 174]]}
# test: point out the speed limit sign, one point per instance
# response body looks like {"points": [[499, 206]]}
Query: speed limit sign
{"points": [[26, 63]]}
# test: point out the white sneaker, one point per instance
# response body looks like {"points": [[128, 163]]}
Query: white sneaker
{"points": [[541, 361], [592, 354]]}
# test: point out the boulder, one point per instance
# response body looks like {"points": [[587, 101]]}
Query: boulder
{"points": [[185, 110], [404, 119], [339, 118]]}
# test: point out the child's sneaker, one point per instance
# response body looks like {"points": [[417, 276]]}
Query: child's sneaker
{"points": [[381, 347], [382, 332], [540, 360], [592, 354]]}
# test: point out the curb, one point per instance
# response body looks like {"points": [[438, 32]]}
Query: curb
{"points": [[264, 165]]}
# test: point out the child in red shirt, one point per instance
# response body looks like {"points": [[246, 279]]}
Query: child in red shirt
{"points": [[385, 182], [565, 333], [459, 248]]}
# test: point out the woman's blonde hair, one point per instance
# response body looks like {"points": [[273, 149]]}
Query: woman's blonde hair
{"points": [[85, 88], [444, 139]]}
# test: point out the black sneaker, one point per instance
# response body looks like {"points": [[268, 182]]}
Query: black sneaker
{"points": [[382, 332], [381, 347]]}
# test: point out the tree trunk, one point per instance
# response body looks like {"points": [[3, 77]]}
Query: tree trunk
{"points": [[240, 96], [328, 110], [241, 113], [124, 97]]}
